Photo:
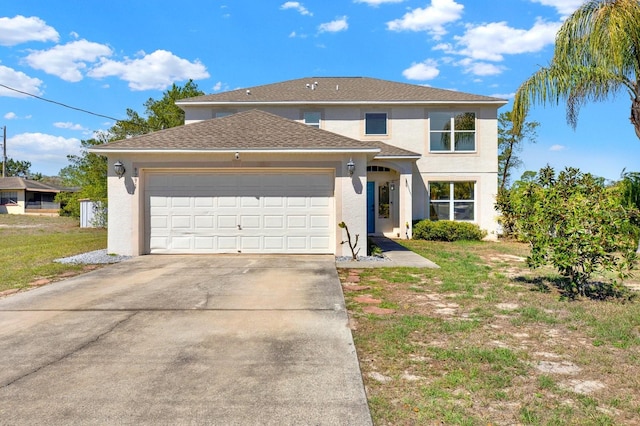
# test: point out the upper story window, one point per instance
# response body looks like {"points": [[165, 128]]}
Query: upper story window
{"points": [[8, 197], [459, 127], [220, 114], [312, 118], [375, 123]]}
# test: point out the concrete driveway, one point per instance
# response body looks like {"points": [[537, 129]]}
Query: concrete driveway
{"points": [[228, 340]]}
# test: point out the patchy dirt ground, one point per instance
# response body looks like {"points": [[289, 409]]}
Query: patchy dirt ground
{"points": [[485, 340]]}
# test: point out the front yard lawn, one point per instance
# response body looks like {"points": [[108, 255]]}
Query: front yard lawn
{"points": [[484, 340], [29, 244]]}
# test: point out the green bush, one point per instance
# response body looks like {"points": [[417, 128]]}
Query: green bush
{"points": [[447, 230]]}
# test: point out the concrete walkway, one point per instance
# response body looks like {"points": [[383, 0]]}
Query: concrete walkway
{"points": [[397, 255], [220, 340]]}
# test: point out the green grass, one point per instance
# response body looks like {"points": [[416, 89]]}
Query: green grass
{"points": [[31, 243], [476, 360]]}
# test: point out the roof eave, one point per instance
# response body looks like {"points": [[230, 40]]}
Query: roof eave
{"points": [[227, 151], [342, 103]]}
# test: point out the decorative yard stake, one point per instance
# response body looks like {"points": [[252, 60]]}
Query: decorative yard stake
{"points": [[354, 252]]}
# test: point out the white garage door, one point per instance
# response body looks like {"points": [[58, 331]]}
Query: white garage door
{"points": [[231, 212]]}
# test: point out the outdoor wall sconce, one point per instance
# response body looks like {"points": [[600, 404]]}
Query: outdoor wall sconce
{"points": [[392, 186], [351, 166], [118, 167]]}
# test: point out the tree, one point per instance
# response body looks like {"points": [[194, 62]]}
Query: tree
{"points": [[88, 173], [509, 143], [576, 224], [16, 168], [596, 55], [630, 186], [161, 114]]}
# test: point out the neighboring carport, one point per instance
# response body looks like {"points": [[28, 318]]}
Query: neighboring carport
{"points": [[225, 339]]}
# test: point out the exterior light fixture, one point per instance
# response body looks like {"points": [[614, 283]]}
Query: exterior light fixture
{"points": [[118, 167], [393, 186], [351, 166]]}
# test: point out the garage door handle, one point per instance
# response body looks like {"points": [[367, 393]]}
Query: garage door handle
{"points": [[239, 228]]}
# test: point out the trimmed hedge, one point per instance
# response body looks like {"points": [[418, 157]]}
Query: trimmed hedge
{"points": [[447, 230]]}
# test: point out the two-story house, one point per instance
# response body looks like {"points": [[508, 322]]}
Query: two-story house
{"points": [[275, 168]]}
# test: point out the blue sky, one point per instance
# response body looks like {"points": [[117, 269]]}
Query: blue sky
{"points": [[108, 56]]}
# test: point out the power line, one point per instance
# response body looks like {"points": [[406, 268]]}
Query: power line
{"points": [[59, 103]]}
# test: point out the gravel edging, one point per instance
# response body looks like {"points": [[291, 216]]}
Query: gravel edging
{"points": [[96, 257]]}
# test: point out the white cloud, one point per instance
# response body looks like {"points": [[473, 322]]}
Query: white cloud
{"points": [[21, 30], [503, 95], [425, 70], [339, 24], [490, 42], [20, 81], [563, 7], [557, 148], [157, 70], [47, 153], [217, 87], [480, 68], [296, 6], [68, 60], [10, 116], [431, 19], [68, 125], [377, 2]]}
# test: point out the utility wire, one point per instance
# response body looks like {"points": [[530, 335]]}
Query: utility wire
{"points": [[59, 103]]}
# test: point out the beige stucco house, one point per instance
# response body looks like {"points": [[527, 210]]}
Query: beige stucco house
{"points": [[25, 196], [275, 168]]}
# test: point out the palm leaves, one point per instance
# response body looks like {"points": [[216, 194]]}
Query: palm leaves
{"points": [[597, 54]]}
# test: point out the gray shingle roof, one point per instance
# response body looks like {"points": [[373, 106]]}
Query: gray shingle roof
{"points": [[15, 183], [340, 90], [250, 130]]}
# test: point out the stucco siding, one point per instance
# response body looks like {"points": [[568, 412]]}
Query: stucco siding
{"points": [[126, 219]]}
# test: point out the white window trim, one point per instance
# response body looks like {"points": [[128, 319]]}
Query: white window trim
{"points": [[452, 149], [452, 201], [320, 120]]}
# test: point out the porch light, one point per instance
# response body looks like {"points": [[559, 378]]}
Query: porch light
{"points": [[118, 167], [393, 186], [351, 166]]}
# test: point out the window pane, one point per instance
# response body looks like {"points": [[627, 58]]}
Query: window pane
{"points": [[383, 201], [220, 114], [463, 210], [439, 191], [312, 119], [465, 121], [465, 141], [375, 123], [440, 141], [439, 210], [440, 121], [463, 190]]}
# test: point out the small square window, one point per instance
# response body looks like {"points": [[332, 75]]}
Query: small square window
{"points": [[375, 123], [312, 119]]}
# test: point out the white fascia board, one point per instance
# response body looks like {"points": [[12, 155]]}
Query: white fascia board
{"points": [[227, 151], [339, 103], [398, 157]]}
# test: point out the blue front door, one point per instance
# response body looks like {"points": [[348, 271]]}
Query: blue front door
{"points": [[371, 207]]}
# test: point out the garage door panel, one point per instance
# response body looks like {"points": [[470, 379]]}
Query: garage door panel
{"points": [[223, 212], [227, 222], [274, 222]]}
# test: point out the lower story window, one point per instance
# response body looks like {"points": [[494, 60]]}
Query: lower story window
{"points": [[452, 200], [8, 197]]}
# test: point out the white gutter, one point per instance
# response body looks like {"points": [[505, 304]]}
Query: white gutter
{"points": [[227, 151], [341, 103]]}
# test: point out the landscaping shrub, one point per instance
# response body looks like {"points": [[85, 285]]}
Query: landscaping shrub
{"points": [[447, 230]]}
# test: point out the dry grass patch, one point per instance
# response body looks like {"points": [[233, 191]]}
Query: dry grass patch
{"points": [[484, 340]]}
